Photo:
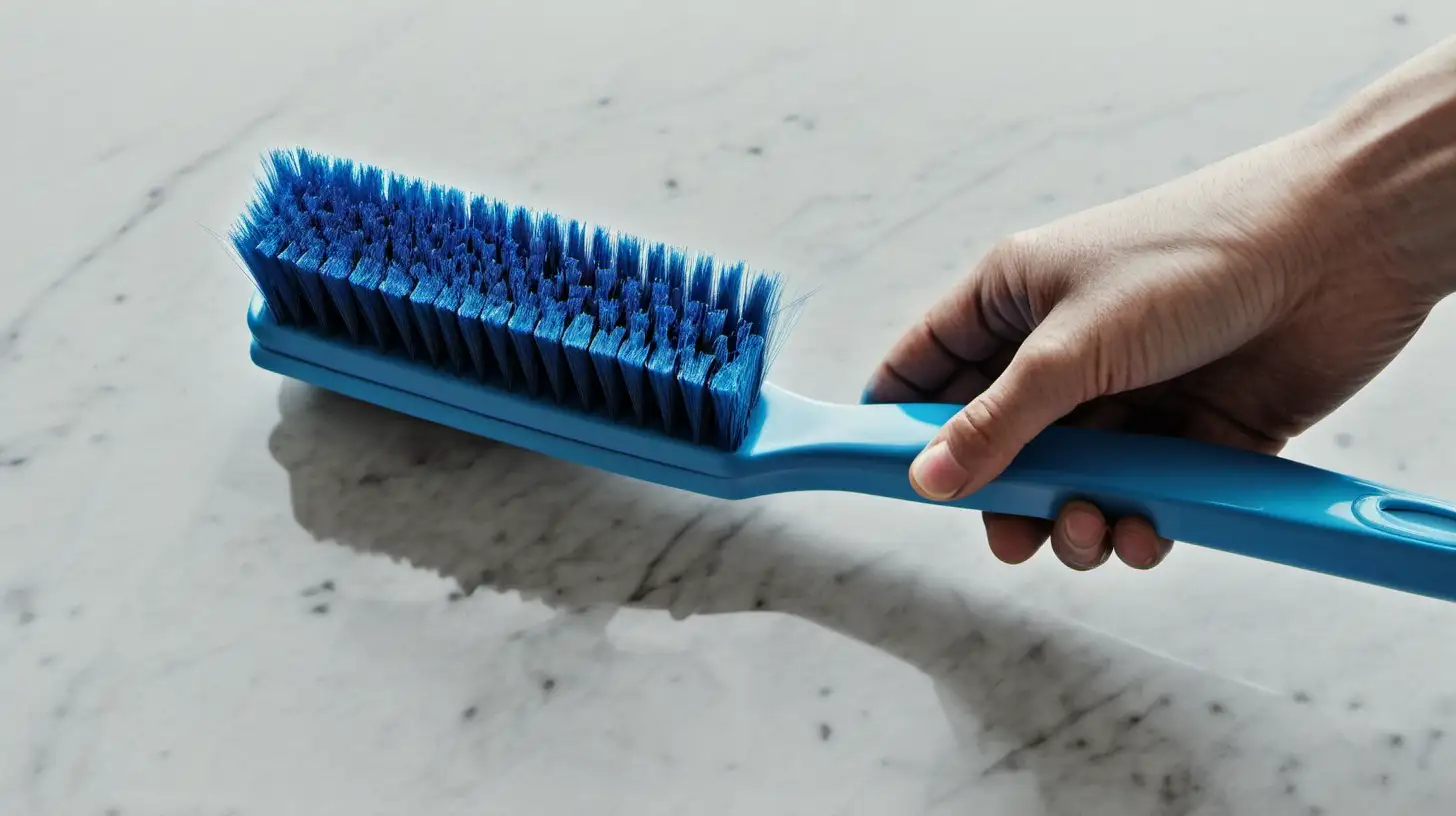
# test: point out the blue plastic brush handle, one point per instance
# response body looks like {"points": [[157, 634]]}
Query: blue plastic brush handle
{"points": [[1246, 503], [1250, 504]]}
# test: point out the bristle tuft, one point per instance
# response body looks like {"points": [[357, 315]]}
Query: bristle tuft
{"points": [[564, 310]]}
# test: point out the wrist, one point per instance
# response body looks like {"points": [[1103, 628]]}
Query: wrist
{"points": [[1391, 157]]}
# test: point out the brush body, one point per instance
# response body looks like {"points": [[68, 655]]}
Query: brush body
{"points": [[712, 426]]}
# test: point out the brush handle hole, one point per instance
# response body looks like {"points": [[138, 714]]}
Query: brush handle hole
{"points": [[1410, 518]]}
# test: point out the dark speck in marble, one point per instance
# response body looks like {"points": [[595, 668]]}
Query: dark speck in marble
{"points": [[1290, 788], [119, 298], [670, 184], [1395, 741], [1289, 765], [468, 714], [1301, 697], [370, 479], [15, 461], [1217, 709], [755, 150], [1383, 780], [1078, 744], [1399, 19], [1400, 465], [1138, 780], [455, 596], [1046, 198], [825, 691], [1343, 440], [804, 122], [1037, 653], [1315, 810], [318, 589], [604, 102], [759, 603], [26, 618], [1355, 704], [548, 684], [825, 732], [320, 609]]}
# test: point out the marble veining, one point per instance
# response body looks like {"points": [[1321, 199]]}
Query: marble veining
{"points": [[225, 594]]}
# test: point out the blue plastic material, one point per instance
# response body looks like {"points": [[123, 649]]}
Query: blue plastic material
{"points": [[1250, 504]]}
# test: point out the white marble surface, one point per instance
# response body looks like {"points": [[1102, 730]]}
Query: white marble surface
{"points": [[221, 594]]}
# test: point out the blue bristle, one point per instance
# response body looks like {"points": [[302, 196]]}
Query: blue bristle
{"points": [[677, 267], [606, 283], [422, 305], [523, 226], [603, 352], [657, 262], [759, 306], [632, 360], [662, 366], [550, 233], [305, 265], [472, 331], [576, 242], [276, 284], [629, 257], [601, 249], [447, 306], [502, 293], [336, 272], [575, 347], [729, 294], [694, 369], [734, 389], [365, 281], [713, 325], [548, 345], [480, 214], [495, 316], [522, 328], [632, 296], [395, 291]]}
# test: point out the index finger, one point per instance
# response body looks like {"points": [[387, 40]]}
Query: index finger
{"points": [[952, 336]]}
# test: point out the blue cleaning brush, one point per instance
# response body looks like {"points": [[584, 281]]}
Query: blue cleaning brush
{"points": [[633, 357]]}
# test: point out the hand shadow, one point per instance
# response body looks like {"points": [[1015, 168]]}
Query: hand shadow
{"points": [[1086, 723]]}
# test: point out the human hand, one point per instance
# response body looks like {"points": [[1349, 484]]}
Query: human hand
{"points": [[1237, 306]]}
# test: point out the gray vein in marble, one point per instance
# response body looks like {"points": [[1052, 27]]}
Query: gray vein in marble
{"points": [[977, 179], [152, 201]]}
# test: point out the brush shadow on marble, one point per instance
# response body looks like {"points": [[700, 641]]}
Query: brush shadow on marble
{"points": [[1098, 725]]}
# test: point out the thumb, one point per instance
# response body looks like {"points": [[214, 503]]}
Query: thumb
{"points": [[1050, 375]]}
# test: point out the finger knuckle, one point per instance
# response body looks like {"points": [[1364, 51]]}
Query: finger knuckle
{"points": [[971, 430]]}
